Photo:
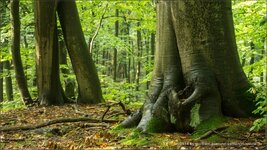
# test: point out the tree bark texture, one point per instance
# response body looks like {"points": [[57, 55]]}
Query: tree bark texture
{"points": [[197, 73], [49, 87], [84, 68], [15, 49]]}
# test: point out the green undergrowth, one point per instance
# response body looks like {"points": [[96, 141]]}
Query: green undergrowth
{"points": [[11, 105]]}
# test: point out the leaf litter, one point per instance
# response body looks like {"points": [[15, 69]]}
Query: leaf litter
{"points": [[87, 135]]}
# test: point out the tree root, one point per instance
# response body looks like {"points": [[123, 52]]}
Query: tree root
{"points": [[55, 121]]}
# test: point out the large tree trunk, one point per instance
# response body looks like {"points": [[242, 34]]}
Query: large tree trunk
{"points": [[197, 70], [15, 49], [84, 68], [49, 87]]}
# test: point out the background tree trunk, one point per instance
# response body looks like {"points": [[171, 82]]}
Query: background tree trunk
{"points": [[69, 83], [1, 83], [115, 53], [8, 80], [15, 49], [49, 87], [139, 55], [84, 68]]}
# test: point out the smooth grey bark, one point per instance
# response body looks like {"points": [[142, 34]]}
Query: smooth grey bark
{"points": [[84, 68], [15, 49], [48, 82], [197, 69]]}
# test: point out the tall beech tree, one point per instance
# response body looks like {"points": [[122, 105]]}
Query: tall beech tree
{"points": [[197, 70], [15, 49], [83, 65], [49, 87], [48, 82]]}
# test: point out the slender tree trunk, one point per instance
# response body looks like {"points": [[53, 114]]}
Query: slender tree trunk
{"points": [[129, 55], [1, 82], [1, 63], [49, 87], [147, 61], [84, 68], [15, 49], [115, 49], [69, 83], [152, 45], [8, 80], [252, 58], [139, 54]]}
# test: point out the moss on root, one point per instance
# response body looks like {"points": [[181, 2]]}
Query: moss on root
{"points": [[158, 125]]}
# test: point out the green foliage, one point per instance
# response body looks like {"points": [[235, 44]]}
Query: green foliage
{"points": [[261, 103], [9, 105], [250, 27], [120, 91]]}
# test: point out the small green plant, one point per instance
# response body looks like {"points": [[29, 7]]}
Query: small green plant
{"points": [[261, 103]]}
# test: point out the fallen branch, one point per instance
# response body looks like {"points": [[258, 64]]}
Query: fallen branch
{"points": [[54, 121], [210, 132], [8, 140], [229, 137]]}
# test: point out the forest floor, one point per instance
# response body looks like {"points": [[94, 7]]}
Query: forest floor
{"points": [[101, 135]]}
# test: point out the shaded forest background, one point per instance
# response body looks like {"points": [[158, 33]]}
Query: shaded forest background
{"points": [[121, 39]]}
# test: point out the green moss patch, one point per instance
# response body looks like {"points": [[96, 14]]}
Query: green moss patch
{"points": [[207, 125]]}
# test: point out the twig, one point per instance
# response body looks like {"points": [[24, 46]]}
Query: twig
{"points": [[102, 118], [126, 111], [54, 121]]}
